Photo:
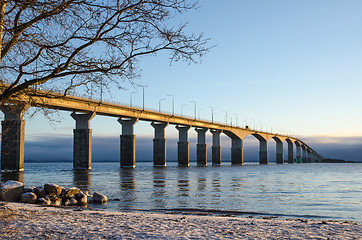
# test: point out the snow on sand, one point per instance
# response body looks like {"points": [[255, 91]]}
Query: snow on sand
{"points": [[23, 221]]}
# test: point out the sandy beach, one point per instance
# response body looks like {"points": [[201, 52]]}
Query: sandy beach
{"points": [[25, 221]]}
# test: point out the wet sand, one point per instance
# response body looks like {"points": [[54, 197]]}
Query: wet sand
{"points": [[25, 221]]}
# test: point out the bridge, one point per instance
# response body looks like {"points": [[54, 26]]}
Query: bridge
{"points": [[83, 110]]}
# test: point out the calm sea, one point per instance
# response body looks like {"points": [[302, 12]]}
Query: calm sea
{"points": [[317, 190]]}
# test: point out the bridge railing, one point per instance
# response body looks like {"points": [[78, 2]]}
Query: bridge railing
{"points": [[114, 102]]}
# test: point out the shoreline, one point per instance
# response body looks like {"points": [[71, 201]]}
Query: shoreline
{"points": [[27, 221]]}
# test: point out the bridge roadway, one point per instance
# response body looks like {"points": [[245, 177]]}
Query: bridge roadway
{"points": [[83, 110]]}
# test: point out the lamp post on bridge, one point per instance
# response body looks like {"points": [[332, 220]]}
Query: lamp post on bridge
{"points": [[236, 120], [130, 103], [143, 97], [182, 108], [246, 121], [253, 121], [101, 89], [226, 117], [212, 114], [159, 104], [200, 112], [195, 108], [173, 103], [261, 127]]}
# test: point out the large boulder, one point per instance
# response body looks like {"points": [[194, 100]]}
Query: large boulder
{"points": [[52, 189], [56, 201], [99, 198], [44, 201], [39, 191], [29, 189], [10, 191], [81, 198], [71, 192], [28, 197], [73, 202]]}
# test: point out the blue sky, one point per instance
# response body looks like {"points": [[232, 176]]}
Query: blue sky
{"points": [[290, 66]]}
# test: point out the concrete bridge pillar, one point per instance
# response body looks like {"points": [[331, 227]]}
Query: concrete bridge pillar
{"points": [[201, 146], [216, 148], [263, 152], [298, 156], [312, 156], [290, 152], [183, 146], [309, 158], [82, 141], [128, 146], [159, 144], [280, 153], [304, 155], [237, 151], [12, 137]]}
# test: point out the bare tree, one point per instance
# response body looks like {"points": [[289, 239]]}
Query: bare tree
{"points": [[66, 44]]}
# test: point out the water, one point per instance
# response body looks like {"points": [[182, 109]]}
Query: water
{"points": [[321, 191]]}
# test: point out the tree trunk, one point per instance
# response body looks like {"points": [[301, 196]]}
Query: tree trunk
{"points": [[3, 4]]}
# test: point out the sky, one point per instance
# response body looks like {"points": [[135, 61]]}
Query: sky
{"points": [[291, 67]]}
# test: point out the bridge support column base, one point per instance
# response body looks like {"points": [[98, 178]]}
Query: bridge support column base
{"points": [[128, 151], [82, 148], [304, 160], [237, 151], [12, 137], [159, 152], [216, 155], [183, 154], [82, 141], [280, 158], [263, 157], [201, 154], [237, 156], [290, 152], [12, 145]]}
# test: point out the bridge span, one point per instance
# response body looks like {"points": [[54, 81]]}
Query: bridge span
{"points": [[83, 110]]}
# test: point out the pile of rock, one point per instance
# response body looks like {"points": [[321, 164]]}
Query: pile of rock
{"points": [[49, 194]]}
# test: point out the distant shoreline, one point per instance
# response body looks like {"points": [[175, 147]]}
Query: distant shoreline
{"points": [[327, 160]]}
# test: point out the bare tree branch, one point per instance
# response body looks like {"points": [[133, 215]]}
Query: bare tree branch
{"points": [[68, 44]]}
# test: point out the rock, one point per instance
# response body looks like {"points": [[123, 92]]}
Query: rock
{"points": [[56, 202], [73, 202], [62, 193], [65, 202], [28, 197], [52, 189], [71, 192], [99, 198], [44, 201], [117, 199], [39, 191], [81, 198], [10, 191], [89, 199], [29, 189]]}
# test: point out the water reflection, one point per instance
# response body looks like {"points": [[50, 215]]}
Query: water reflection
{"points": [[16, 176], [127, 187], [216, 185], [236, 184], [159, 194], [82, 179], [183, 188], [201, 193]]}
